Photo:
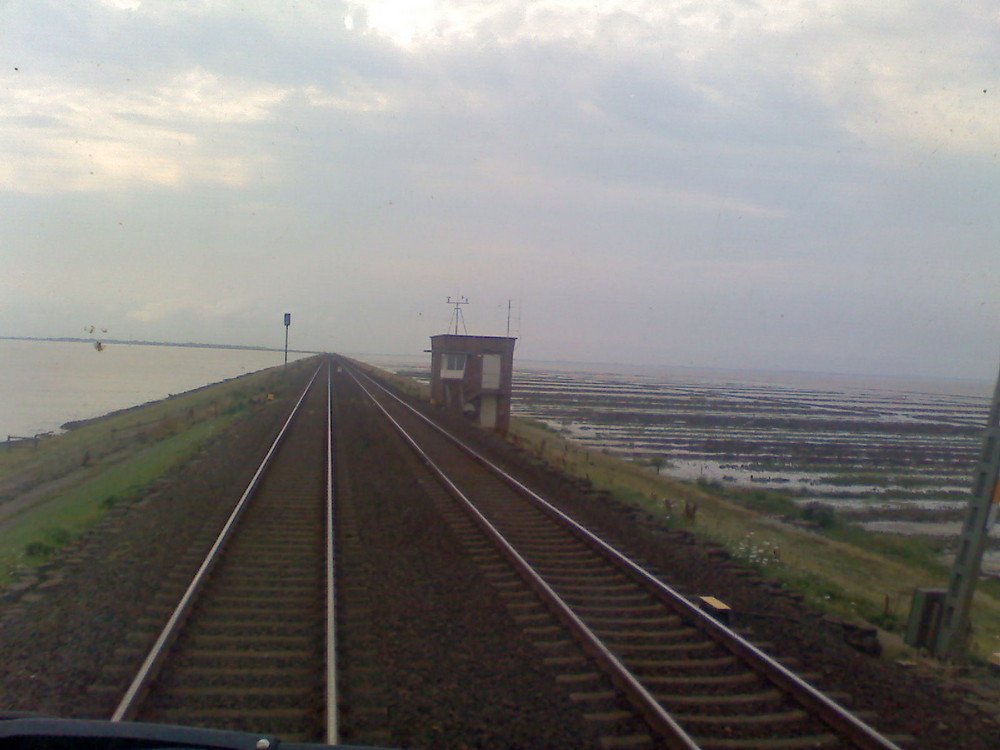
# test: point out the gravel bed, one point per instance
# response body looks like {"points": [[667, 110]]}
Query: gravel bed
{"points": [[457, 671]]}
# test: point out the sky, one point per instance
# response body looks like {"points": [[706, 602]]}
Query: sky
{"points": [[804, 185]]}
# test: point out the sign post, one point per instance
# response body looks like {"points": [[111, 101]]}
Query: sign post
{"points": [[288, 322]]}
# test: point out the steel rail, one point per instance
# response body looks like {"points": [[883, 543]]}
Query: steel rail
{"points": [[332, 726], [130, 701], [659, 719], [827, 710]]}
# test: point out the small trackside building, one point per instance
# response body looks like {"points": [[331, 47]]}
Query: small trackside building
{"points": [[473, 375]]}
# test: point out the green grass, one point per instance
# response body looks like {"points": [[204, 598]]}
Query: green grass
{"points": [[57, 519]]}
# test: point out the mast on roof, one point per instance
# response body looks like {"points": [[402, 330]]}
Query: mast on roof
{"points": [[456, 315]]}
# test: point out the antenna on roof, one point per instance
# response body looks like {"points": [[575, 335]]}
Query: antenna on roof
{"points": [[456, 315]]}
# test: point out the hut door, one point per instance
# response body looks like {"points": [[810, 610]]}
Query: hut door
{"points": [[488, 412]]}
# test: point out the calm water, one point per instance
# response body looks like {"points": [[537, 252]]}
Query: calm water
{"points": [[44, 384]]}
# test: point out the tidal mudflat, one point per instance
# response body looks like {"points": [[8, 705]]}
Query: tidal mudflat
{"points": [[894, 455]]}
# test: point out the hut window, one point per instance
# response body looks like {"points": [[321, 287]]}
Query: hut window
{"points": [[454, 365]]}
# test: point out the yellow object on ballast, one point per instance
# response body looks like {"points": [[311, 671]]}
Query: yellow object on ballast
{"points": [[714, 607]]}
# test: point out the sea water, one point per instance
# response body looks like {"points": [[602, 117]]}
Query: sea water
{"points": [[44, 384]]}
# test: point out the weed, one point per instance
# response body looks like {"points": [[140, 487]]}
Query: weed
{"points": [[59, 536], [710, 485], [821, 515], [44, 549], [37, 550], [765, 501]]}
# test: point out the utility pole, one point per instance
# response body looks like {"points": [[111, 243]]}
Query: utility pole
{"points": [[288, 322], [952, 641]]}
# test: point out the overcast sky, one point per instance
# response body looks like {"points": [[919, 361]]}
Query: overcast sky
{"points": [[798, 184]]}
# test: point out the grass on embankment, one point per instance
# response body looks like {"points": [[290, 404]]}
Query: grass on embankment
{"points": [[839, 568], [53, 491]]}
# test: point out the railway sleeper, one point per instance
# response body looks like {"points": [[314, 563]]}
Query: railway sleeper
{"points": [[555, 645], [266, 672], [240, 658], [200, 640], [255, 605], [105, 690], [768, 722], [578, 678], [583, 568], [610, 588], [287, 723], [683, 660], [546, 555], [543, 630], [135, 639], [690, 683], [593, 696], [627, 624], [714, 711], [240, 628], [768, 695], [278, 580], [506, 581], [607, 717], [637, 651], [523, 606], [256, 600], [531, 617], [598, 598], [799, 742], [149, 622], [273, 587], [564, 578], [655, 635], [260, 613], [636, 741], [656, 666], [229, 696], [564, 661]]}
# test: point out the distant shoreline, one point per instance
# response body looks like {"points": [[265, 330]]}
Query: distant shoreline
{"points": [[189, 345]]}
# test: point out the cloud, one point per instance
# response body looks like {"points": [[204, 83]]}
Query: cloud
{"points": [[160, 311], [904, 76], [81, 139], [664, 178]]}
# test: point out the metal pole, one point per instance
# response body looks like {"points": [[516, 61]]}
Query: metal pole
{"points": [[288, 322], [953, 636]]}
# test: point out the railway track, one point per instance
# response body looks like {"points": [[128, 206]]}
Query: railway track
{"points": [[247, 646], [252, 643], [694, 682]]}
